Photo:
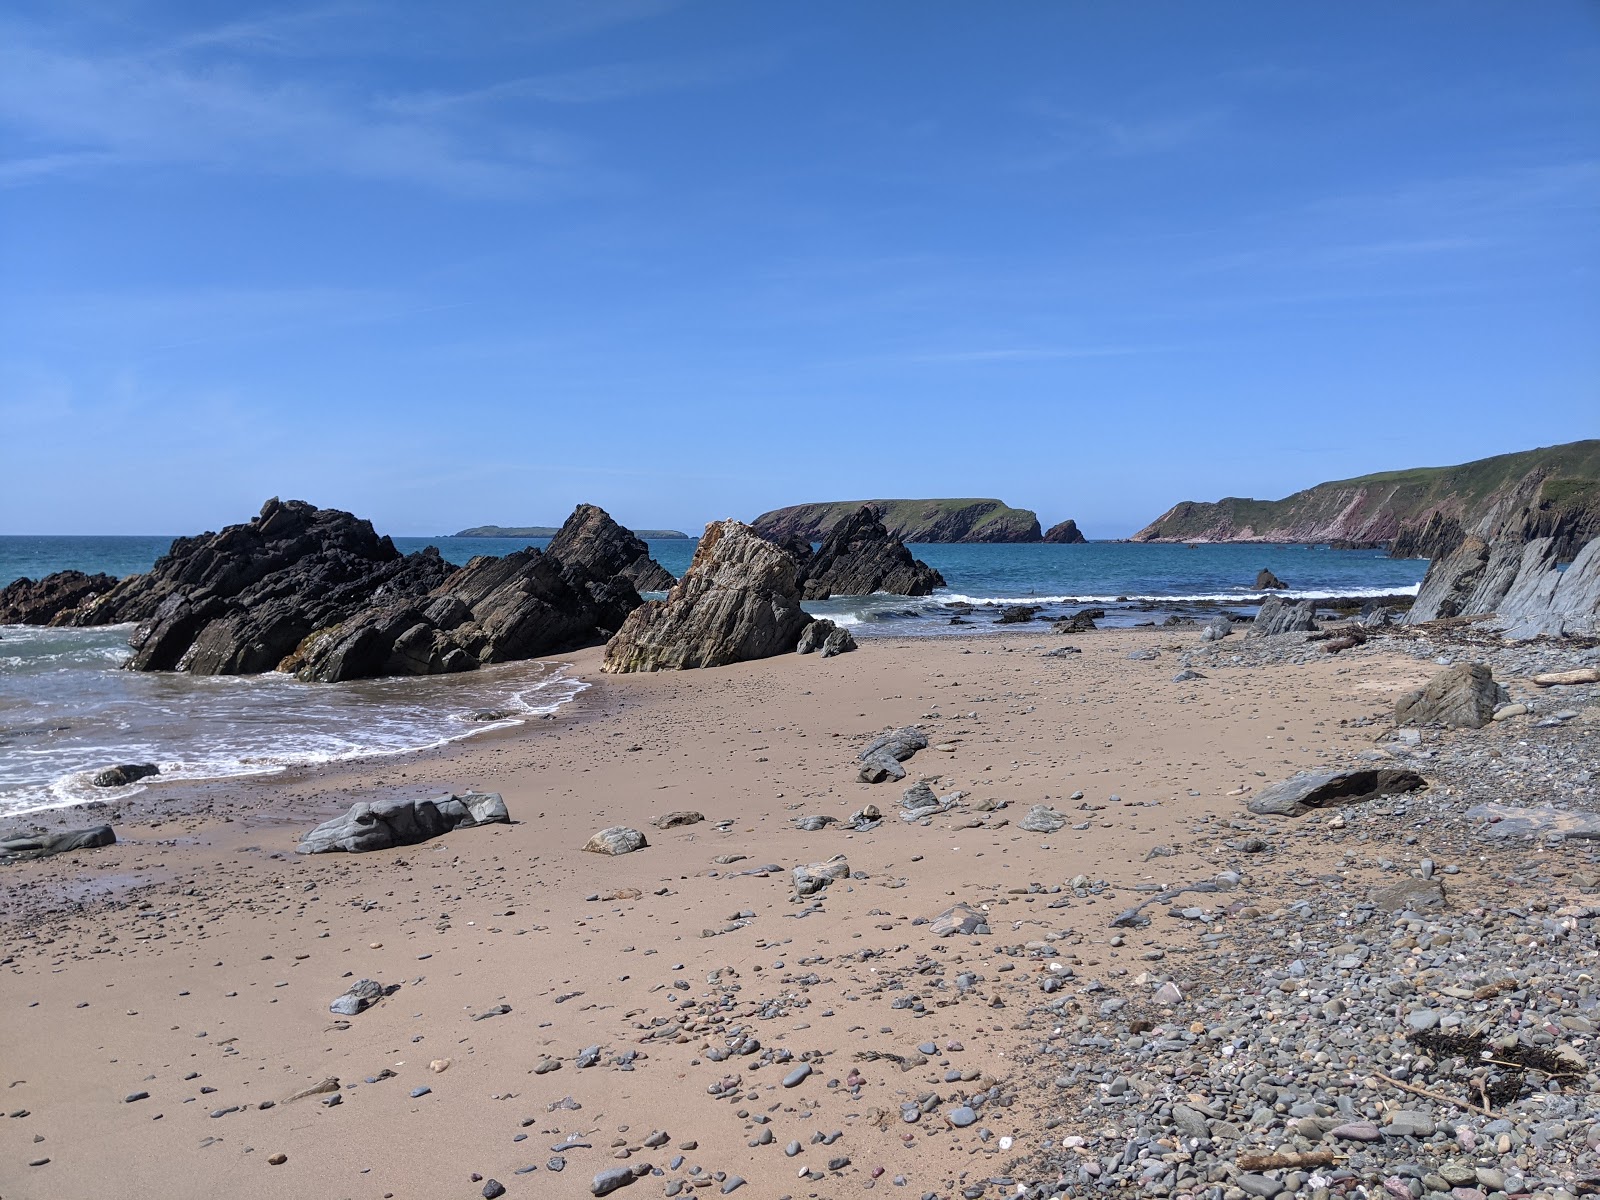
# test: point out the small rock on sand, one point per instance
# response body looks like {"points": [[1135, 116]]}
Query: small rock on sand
{"points": [[618, 839]]}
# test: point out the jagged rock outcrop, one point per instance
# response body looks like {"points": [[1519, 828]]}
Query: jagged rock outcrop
{"points": [[1065, 534], [1275, 616], [739, 600], [1545, 601], [824, 636], [909, 520], [317, 592], [1461, 697], [859, 557], [390, 823], [46, 601], [1553, 491], [593, 543], [492, 610]]}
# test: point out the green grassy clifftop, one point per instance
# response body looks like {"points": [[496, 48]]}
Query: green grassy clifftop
{"points": [[1553, 491]]}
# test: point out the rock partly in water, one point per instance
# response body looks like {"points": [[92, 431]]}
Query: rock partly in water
{"points": [[592, 544], [1464, 696], [388, 823], [1309, 791], [1277, 617], [739, 600], [616, 839], [859, 556], [124, 774], [51, 600], [1266, 581], [1066, 533], [43, 845]]}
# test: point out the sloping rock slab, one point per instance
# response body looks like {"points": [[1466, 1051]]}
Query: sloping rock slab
{"points": [[1460, 697], [591, 544], [1309, 791], [379, 826], [739, 600], [1276, 617], [46, 844], [1505, 821]]}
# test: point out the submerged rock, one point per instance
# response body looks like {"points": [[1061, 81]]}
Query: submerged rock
{"points": [[739, 600], [1308, 791], [1464, 696], [387, 823], [859, 556]]}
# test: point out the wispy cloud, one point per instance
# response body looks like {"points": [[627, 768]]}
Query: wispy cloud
{"points": [[1071, 135]]}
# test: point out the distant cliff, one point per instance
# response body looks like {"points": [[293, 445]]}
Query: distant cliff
{"points": [[909, 520], [1425, 512], [544, 531]]}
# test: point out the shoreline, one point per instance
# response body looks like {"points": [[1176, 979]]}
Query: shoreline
{"points": [[202, 943]]}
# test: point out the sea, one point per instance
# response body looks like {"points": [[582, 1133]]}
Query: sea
{"points": [[68, 710]]}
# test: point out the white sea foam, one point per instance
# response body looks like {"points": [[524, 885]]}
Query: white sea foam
{"points": [[1246, 596]]}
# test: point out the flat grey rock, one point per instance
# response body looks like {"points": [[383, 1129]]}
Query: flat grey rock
{"points": [[1313, 790], [389, 823]]}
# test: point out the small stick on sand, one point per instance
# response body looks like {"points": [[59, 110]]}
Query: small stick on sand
{"points": [[1271, 1162], [1439, 1096]]}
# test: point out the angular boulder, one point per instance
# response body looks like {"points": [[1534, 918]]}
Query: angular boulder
{"points": [[811, 878], [592, 543], [1460, 697], [1309, 791], [822, 634], [739, 600], [44, 845], [1276, 617], [367, 827], [859, 557], [616, 839], [51, 600], [1217, 628]]}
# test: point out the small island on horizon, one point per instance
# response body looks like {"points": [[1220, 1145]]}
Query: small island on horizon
{"points": [[544, 531]]}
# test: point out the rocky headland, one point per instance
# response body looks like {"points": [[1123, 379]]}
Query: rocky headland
{"points": [[1426, 512], [544, 531], [908, 520]]}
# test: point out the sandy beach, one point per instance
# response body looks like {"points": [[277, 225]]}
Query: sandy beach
{"points": [[193, 963]]}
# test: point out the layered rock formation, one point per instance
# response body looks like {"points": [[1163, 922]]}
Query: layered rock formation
{"points": [[859, 557], [1521, 584], [390, 823], [592, 542], [1274, 616], [319, 593], [47, 601], [1427, 512], [739, 600], [1065, 534], [908, 520]]}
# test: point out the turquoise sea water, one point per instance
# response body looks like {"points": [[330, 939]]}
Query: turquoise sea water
{"points": [[67, 710]]}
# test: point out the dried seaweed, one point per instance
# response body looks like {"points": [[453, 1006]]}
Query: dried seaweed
{"points": [[1515, 1062]]}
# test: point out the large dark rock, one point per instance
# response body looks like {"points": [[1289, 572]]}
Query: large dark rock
{"points": [[47, 601], [43, 845], [739, 600], [403, 822], [492, 610], [859, 557], [1461, 697], [595, 546], [124, 774], [1266, 581], [1309, 791], [1065, 534]]}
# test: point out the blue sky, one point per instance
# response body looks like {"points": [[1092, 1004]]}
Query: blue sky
{"points": [[448, 265]]}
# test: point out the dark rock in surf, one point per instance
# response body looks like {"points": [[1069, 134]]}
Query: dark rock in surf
{"points": [[1266, 581], [51, 600], [859, 557], [126, 773]]}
